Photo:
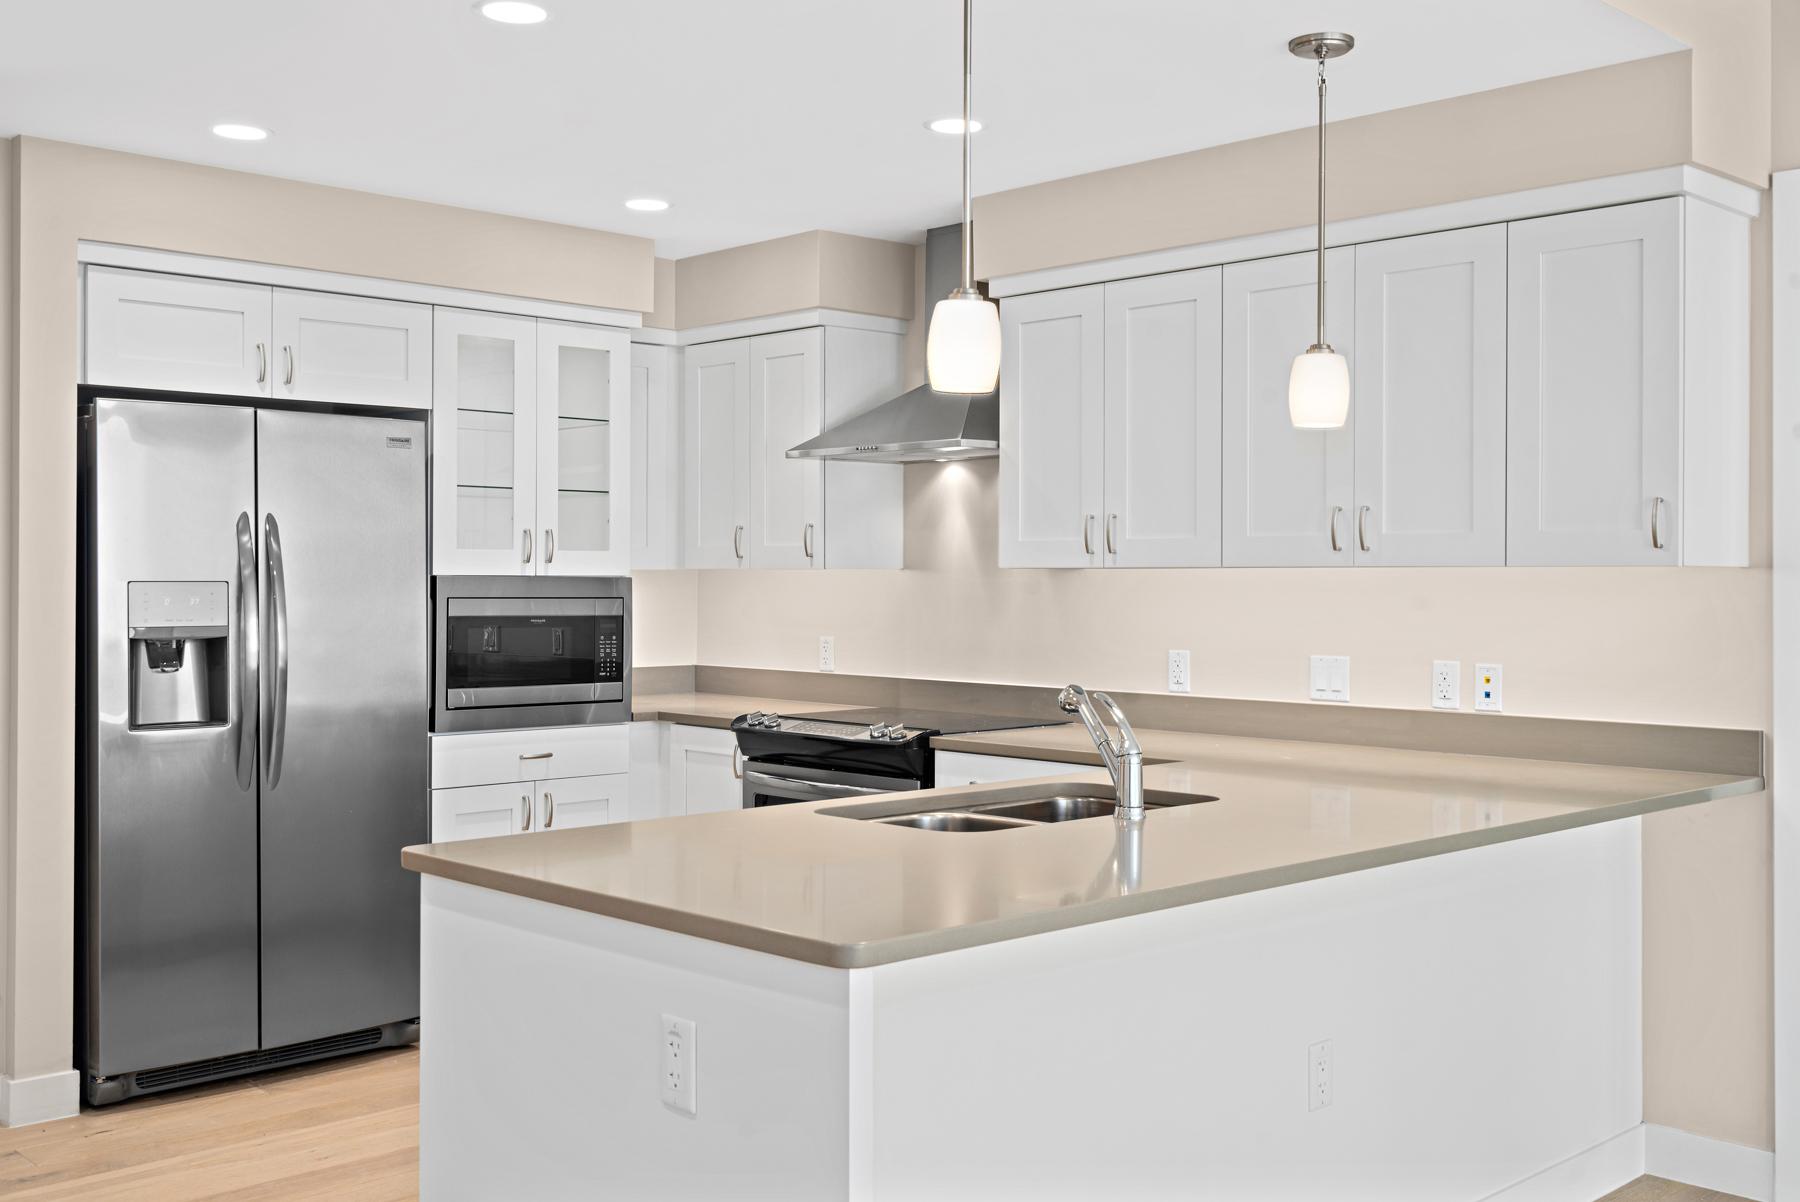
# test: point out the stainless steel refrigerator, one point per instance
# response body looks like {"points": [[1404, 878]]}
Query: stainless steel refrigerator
{"points": [[254, 698]]}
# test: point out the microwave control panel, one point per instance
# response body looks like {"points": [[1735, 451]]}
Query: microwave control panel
{"points": [[607, 665]]}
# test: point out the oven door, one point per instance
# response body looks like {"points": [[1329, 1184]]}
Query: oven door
{"points": [[768, 784], [514, 651]]}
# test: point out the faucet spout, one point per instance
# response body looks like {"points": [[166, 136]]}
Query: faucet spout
{"points": [[1123, 757]]}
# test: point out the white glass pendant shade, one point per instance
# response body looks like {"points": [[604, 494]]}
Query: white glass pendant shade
{"points": [[962, 347], [1319, 389]]}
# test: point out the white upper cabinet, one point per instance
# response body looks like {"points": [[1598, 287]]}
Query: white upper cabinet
{"points": [[715, 431], [1163, 421], [864, 502], [484, 458], [1287, 493], [655, 456], [1052, 429], [149, 330], [583, 450], [351, 349], [1594, 381], [1431, 399], [787, 386]]}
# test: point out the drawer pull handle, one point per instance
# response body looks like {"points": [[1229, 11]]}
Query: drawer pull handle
{"points": [[537, 755]]}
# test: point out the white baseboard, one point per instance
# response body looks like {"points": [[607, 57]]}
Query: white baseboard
{"points": [[1709, 1163], [1584, 1176], [28, 1100]]}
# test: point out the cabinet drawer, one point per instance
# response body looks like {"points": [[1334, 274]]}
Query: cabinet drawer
{"points": [[495, 757], [479, 812], [583, 801]]}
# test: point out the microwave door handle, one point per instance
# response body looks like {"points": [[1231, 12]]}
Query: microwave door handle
{"points": [[275, 711], [243, 636]]}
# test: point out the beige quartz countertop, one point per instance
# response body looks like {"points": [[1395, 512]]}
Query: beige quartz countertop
{"points": [[831, 890]]}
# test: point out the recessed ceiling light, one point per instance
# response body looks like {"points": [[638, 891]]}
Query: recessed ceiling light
{"points": [[513, 12], [646, 204], [951, 125], [241, 133]]}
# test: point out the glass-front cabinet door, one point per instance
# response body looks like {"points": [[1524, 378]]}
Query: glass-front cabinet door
{"points": [[583, 449], [484, 444]]}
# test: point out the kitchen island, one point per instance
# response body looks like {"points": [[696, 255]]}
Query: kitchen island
{"points": [[1350, 972]]}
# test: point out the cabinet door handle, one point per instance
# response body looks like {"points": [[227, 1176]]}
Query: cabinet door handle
{"points": [[1656, 507], [288, 352], [1087, 534], [1335, 511], [1112, 530], [537, 755], [806, 540], [737, 541], [525, 811], [526, 556], [1362, 528], [549, 809], [262, 362], [737, 764], [549, 545]]}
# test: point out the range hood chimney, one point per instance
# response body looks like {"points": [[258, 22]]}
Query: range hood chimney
{"points": [[922, 425]]}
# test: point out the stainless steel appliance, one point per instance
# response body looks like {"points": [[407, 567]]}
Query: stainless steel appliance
{"points": [[252, 751], [516, 651], [849, 753]]}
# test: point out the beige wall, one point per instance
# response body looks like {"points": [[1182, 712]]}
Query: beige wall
{"points": [[67, 193], [1785, 86], [8, 505], [815, 270], [662, 317]]}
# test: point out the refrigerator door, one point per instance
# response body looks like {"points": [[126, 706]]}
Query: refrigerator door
{"points": [[345, 705], [171, 813]]}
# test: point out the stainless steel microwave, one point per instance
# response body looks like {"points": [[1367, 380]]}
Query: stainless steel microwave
{"points": [[521, 651]]}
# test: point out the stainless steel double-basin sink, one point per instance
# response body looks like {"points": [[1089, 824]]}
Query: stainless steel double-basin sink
{"points": [[1018, 808]]}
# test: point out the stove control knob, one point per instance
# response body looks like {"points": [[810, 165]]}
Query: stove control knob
{"points": [[771, 721], [878, 731], [753, 719], [897, 733]]}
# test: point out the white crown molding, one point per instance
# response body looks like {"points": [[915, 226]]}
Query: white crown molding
{"points": [[653, 336], [798, 319], [1487, 210], [175, 263], [25, 1101]]}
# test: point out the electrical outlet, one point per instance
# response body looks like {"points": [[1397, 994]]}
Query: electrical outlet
{"points": [[1179, 679], [827, 653], [678, 1064], [1446, 684], [1331, 678], [1318, 1075], [1487, 688]]}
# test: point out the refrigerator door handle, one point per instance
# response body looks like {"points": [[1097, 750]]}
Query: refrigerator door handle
{"points": [[244, 636], [275, 711]]}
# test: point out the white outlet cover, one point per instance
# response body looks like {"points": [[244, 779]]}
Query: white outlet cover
{"points": [[1446, 684], [827, 653], [1331, 678], [1181, 677], [679, 1071], [1487, 688], [1318, 1075]]}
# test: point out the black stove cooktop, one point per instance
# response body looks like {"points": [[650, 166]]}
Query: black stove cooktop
{"points": [[932, 722], [875, 741]]}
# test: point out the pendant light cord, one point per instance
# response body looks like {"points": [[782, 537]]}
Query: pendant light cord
{"points": [[1321, 290], [968, 248]]}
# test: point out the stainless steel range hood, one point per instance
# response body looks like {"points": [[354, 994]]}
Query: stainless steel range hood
{"points": [[921, 425]]}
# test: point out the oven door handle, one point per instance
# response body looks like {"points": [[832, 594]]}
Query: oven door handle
{"points": [[809, 790]]}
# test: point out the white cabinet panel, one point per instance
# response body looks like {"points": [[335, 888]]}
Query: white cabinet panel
{"points": [[495, 756], [1594, 387], [787, 381], [962, 768], [583, 450], [1431, 399], [483, 438], [705, 774], [864, 502], [480, 811], [351, 349], [1162, 420], [1052, 428], [582, 801], [715, 478], [148, 330], [655, 456], [1284, 489]]}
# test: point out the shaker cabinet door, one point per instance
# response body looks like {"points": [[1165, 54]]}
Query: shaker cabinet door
{"points": [[787, 386], [655, 456], [352, 350], [715, 433], [481, 811], [1162, 421], [149, 330], [484, 444], [1431, 399], [583, 450], [1288, 492], [1594, 387], [1052, 428]]}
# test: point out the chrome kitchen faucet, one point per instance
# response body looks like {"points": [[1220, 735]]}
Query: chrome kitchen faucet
{"points": [[1124, 758]]}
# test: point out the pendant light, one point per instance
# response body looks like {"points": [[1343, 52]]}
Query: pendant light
{"points": [[1319, 384], [962, 347]]}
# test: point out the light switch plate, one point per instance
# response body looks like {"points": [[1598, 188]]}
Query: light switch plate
{"points": [[1331, 678], [1487, 688], [827, 653], [1446, 684], [1180, 679], [679, 1072]]}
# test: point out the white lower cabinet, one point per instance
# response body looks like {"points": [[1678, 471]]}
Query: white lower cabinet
{"points": [[705, 771], [506, 782], [582, 801], [480, 811]]}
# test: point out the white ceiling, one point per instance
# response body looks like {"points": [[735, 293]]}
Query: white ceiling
{"points": [[754, 118]]}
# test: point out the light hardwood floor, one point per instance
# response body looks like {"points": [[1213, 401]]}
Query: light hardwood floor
{"points": [[346, 1130]]}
